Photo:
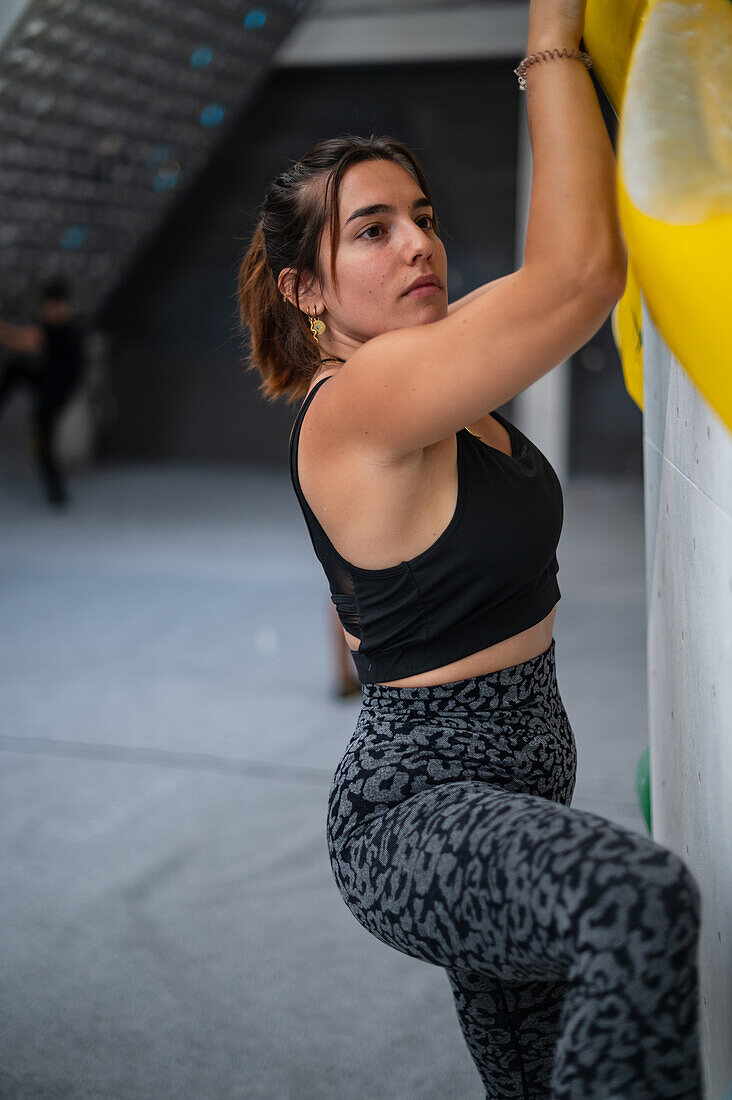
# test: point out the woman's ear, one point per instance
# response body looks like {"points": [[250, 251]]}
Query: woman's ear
{"points": [[284, 282], [309, 294]]}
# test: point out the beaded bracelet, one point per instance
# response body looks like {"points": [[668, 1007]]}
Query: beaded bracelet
{"points": [[543, 55]]}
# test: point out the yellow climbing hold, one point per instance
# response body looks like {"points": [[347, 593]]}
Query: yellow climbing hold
{"points": [[667, 68]]}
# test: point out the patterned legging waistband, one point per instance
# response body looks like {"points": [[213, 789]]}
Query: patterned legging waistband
{"points": [[513, 685]]}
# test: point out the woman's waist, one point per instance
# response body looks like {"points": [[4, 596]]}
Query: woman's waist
{"points": [[525, 684]]}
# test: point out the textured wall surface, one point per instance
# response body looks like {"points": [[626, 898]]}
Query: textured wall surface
{"points": [[688, 518]]}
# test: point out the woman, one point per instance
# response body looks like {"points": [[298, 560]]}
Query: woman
{"points": [[569, 942]]}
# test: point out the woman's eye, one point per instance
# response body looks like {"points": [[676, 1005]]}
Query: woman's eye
{"points": [[428, 217]]}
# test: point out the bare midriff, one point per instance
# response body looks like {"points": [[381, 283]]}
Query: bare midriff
{"points": [[521, 647]]}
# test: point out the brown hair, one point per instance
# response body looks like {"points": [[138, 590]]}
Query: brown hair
{"points": [[289, 231]]}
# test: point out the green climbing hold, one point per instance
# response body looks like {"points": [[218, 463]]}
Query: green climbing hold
{"points": [[643, 787]]}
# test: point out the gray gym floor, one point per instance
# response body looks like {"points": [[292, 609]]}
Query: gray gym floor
{"points": [[171, 927]]}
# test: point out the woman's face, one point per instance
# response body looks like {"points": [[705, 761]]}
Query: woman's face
{"points": [[380, 254]]}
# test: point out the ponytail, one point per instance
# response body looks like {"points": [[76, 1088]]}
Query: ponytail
{"points": [[279, 349]]}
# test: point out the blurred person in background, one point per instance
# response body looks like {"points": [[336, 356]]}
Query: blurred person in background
{"points": [[49, 362]]}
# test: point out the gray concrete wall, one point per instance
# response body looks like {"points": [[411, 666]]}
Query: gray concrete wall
{"points": [[688, 518]]}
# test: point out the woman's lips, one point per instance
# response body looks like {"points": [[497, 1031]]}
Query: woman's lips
{"points": [[422, 291]]}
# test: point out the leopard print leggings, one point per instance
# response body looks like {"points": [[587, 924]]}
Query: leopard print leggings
{"points": [[570, 943]]}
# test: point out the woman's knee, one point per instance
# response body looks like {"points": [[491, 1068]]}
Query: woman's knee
{"points": [[683, 888], [619, 880]]}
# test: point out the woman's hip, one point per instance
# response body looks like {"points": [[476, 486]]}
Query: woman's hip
{"points": [[508, 728]]}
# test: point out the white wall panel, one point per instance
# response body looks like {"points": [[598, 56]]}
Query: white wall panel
{"points": [[688, 519]]}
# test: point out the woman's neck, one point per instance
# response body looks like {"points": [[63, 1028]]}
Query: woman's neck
{"points": [[327, 366]]}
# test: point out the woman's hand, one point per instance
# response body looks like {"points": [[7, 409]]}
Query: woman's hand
{"points": [[557, 22]]}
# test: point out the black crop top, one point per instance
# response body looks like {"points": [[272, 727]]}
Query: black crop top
{"points": [[489, 575]]}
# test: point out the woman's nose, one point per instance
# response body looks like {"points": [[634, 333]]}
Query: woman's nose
{"points": [[419, 243]]}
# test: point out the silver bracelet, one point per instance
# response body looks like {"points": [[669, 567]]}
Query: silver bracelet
{"points": [[548, 55]]}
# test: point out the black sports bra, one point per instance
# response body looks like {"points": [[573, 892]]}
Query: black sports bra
{"points": [[489, 575]]}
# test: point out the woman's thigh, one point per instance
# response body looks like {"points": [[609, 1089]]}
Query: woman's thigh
{"points": [[512, 886]]}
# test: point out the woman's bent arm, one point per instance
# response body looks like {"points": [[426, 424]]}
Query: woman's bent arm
{"points": [[411, 387]]}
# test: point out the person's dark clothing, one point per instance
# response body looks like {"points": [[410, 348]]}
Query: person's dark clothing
{"points": [[63, 354], [53, 376]]}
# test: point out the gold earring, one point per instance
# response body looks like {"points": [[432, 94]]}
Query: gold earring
{"points": [[316, 327], [285, 298]]}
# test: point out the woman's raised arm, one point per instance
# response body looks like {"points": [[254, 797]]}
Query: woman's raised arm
{"points": [[410, 387]]}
